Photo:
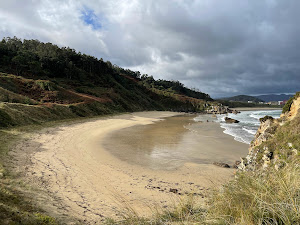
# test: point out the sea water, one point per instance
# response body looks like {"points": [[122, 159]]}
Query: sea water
{"points": [[245, 130], [170, 143]]}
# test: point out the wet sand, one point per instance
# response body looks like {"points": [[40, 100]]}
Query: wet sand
{"points": [[90, 182], [169, 144]]}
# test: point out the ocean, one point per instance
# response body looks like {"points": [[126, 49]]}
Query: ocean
{"points": [[245, 130]]}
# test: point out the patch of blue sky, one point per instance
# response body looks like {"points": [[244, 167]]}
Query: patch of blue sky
{"points": [[89, 17]]}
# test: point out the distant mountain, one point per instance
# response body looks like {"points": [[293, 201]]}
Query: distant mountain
{"points": [[243, 98], [259, 98], [269, 98]]}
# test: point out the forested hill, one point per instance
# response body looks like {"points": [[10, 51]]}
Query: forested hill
{"points": [[65, 83]]}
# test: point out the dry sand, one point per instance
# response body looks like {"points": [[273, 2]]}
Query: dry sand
{"points": [[88, 183]]}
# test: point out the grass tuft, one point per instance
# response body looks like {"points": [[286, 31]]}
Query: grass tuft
{"points": [[289, 103], [186, 211], [265, 197]]}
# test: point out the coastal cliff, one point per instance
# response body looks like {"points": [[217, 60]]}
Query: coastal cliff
{"points": [[277, 141]]}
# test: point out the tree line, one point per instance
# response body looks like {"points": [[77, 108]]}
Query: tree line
{"points": [[38, 60]]}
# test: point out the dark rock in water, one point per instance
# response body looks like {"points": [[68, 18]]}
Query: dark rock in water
{"points": [[236, 164], [235, 111], [174, 190], [229, 120], [224, 165]]}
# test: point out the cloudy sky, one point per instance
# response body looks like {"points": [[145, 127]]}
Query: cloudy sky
{"points": [[221, 47]]}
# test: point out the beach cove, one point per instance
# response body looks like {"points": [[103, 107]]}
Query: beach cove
{"points": [[80, 173]]}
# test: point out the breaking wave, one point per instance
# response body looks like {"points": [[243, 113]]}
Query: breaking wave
{"points": [[245, 130]]}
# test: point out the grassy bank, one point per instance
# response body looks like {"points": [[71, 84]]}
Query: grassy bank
{"points": [[265, 197], [26, 101], [15, 206]]}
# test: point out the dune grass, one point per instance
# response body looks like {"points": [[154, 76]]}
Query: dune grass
{"points": [[268, 197], [186, 211], [265, 197]]}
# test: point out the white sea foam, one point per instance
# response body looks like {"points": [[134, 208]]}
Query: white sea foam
{"points": [[245, 130], [250, 131], [257, 115]]}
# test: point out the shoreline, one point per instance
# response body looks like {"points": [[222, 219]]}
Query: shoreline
{"points": [[163, 143], [93, 184], [255, 108]]}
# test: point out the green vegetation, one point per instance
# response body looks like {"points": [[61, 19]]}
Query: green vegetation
{"points": [[5, 119], [283, 140], [172, 87], [253, 198], [51, 83], [288, 104], [265, 196], [264, 119], [260, 197], [186, 212], [17, 209], [15, 206], [282, 144]]}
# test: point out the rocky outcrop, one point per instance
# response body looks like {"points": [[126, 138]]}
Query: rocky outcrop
{"points": [[221, 109], [260, 157], [272, 144], [236, 164], [230, 120], [265, 131], [294, 109]]}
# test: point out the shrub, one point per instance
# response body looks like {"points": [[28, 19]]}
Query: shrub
{"points": [[46, 85], [5, 119], [287, 106], [264, 119]]}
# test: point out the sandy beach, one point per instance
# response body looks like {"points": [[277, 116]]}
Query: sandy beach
{"points": [[86, 181]]}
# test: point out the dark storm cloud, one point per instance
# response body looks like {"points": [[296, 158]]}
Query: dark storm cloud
{"points": [[220, 47]]}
